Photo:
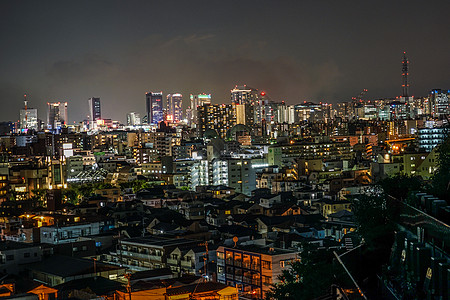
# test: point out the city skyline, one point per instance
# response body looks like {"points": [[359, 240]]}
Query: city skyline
{"points": [[68, 52]]}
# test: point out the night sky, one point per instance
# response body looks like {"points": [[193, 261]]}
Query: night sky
{"points": [[294, 50]]}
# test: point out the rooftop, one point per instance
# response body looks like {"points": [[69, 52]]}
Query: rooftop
{"points": [[66, 266], [158, 241], [263, 249], [202, 287], [10, 245]]}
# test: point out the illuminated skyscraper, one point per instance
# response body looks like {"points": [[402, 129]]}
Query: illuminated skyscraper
{"points": [[439, 102], [154, 107], [133, 119], [175, 107], [244, 95], [245, 101], [196, 101], [218, 117], [56, 115], [95, 112]]}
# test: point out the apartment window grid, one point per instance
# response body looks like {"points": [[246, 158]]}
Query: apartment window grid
{"points": [[244, 269]]}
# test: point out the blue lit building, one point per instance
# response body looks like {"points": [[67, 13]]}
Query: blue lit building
{"points": [[154, 107], [439, 102], [429, 138]]}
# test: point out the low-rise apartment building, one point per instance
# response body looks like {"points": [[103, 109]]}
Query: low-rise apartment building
{"points": [[252, 269]]}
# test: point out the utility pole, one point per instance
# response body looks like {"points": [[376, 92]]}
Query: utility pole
{"points": [[95, 267], [128, 277], [205, 260]]}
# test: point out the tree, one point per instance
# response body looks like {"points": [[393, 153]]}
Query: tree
{"points": [[374, 219], [308, 278], [38, 196], [441, 179], [71, 196], [400, 185]]}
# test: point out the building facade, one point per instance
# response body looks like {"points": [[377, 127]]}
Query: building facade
{"points": [[252, 269], [154, 107], [56, 115], [175, 107], [95, 112]]}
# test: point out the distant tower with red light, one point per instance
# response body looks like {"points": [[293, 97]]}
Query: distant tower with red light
{"points": [[405, 85], [28, 117]]}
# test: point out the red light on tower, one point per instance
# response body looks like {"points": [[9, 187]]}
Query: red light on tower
{"points": [[263, 93]]}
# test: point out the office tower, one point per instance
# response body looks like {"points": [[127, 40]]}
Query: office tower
{"points": [[217, 117], [244, 114], [94, 109], [189, 117], [56, 115], [285, 113], [439, 102], [200, 100], [244, 95], [175, 107], [309, 111], [133, 119], [196, 101], [246, 103], [154, 107], [28, 117]]}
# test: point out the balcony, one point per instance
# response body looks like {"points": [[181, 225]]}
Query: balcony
{"points": [[173, 262], [187, 264], [251, 281], [140, 255], [220, 261]]}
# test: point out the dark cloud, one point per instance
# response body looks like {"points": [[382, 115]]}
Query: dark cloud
{"points": [[90, 66], [296, 51]]}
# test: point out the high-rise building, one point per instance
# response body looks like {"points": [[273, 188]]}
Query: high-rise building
{"points": [[429, 138], [218, 117], [56, 115], [199, 100], [235, 173], [196, 101], [285, 113], [244, 95], [28, 117], [175, 107], [95, 112], [439, 102], [248, 104], [133, 119], [154, 107], [244, 114]]}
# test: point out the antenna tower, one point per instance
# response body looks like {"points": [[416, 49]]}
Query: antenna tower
{"points": [[405, 85]]}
